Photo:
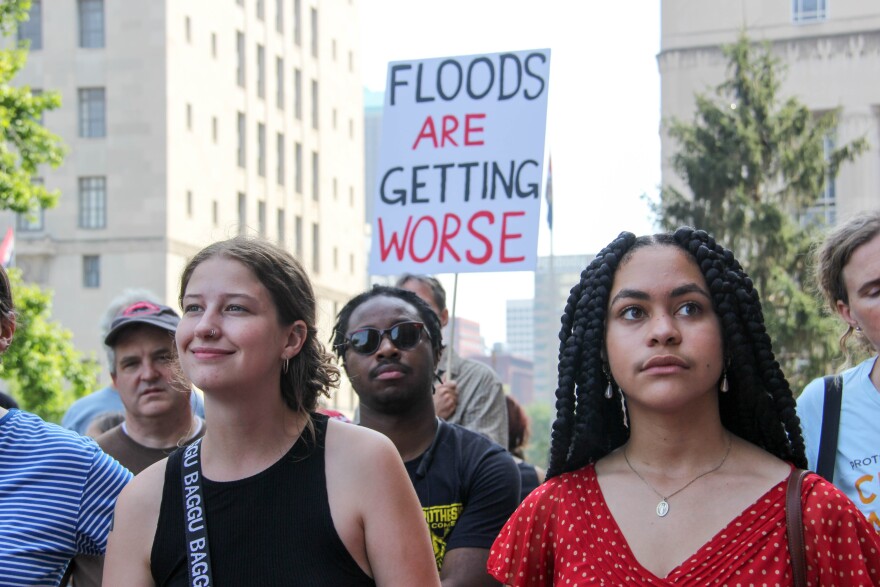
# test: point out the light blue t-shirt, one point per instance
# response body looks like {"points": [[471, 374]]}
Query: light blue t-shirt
{"points": [[57, 494], [857, 465]]}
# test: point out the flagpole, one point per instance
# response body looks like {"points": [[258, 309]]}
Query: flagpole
{"points": [[451, 346]]}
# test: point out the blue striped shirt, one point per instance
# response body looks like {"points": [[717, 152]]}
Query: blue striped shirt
{"points": [[57, 492]]}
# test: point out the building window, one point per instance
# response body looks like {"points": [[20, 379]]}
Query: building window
{"points": [[807, 11], [297, 93], [335, 189], [333, 49], [351, 61], [242, 213], [315, 104], [92, 202], [351, 263], [261, 71], [189, 117], [91, 23], [316, 250], [91, 271], [214, 45], [189, 203], [351, 128], [32, 221], [279, 16], [261, 218], [279, 83], [92, 105], [313, 14], [297, 22], [215, 212], [214, 129], [187, 29], [316, 184], [240, 58], [334, 118], [261, 149], [335, 258], [282, 228], [279, 148], [31, 30], [297, 167], [298, 237], [261, 9], [242, 140], [351, 195]]}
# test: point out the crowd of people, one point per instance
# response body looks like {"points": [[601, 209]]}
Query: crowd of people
{"points": [[676, 457]]}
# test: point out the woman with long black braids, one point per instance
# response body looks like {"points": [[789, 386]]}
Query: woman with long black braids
{"points": [[674, 438]]}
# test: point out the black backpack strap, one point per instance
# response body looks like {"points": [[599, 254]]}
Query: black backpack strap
{"points": [[830, 427]]}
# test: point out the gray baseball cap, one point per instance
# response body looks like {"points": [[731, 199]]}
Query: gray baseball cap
{"points": [[142, 313]]}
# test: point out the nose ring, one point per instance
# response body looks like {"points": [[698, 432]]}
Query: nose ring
{"points": [[211, 334]]}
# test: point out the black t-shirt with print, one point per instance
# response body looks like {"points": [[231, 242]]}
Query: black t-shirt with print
{"points": [[468, 487]]}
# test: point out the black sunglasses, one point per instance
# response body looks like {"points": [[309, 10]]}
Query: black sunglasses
{"points": [[404, 336]]}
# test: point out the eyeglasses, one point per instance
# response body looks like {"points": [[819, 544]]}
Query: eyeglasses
{"points": [[404, 336]]}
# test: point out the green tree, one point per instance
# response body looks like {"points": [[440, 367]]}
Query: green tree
{"points": [[26, 143], [755, 164], [42, 368]]}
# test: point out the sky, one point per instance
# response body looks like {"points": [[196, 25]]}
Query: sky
{"points": [[602, 122]]}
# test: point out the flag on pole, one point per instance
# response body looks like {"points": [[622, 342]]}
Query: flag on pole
{"points": [[548, 193], [7, 248]]}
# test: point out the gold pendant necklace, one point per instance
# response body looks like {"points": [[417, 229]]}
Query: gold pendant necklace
{"points": [[663, 506]]}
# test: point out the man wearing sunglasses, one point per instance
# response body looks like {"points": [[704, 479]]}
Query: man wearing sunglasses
{"points": [[389, 341], [470, 394]]}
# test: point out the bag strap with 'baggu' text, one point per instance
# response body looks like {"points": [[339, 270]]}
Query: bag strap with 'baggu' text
{"points": [[198, 555]]}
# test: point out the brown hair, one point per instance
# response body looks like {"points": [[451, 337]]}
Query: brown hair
{"points": [[833, 255], [312, 371], [517, 428], [7, 307]]}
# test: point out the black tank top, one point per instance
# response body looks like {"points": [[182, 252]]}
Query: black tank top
{"points": [[270, 529]]}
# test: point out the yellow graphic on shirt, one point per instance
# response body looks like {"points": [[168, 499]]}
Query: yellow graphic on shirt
{"points": [[441, 520]]}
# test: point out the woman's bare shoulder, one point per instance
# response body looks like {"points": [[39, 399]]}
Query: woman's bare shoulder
{"points": [[145, 490], [358, 450], [354, 438]]}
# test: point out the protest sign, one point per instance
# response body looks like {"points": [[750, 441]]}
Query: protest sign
{"points": [[461, 163]]}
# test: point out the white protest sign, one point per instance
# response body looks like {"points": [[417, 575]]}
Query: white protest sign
{"points": [[461, 163]]}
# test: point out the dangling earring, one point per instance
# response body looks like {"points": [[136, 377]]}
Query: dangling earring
{"points": [[858, 328], [286, 366], [623, 409], [609, 391], [724, 385]]}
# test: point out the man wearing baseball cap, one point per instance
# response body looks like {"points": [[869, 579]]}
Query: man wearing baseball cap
{"points": [[158, 414], [105, 401]]}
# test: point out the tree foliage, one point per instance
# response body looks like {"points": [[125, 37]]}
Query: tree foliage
{"points": [[26, 143], [540, 422], [42, 368], [755, 164]]}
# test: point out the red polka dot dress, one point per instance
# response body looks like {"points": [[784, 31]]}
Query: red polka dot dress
{"points": [[564, 534]]}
